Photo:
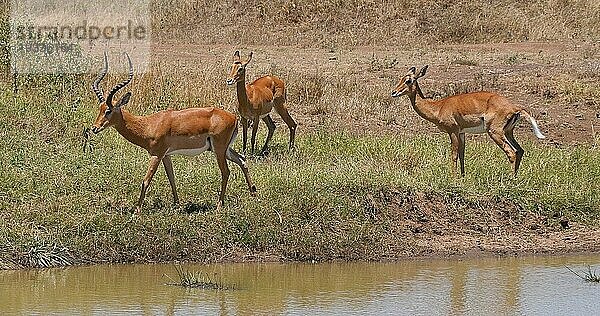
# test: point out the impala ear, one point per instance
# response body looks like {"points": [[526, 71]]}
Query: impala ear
{"points": [[124, 100], [422, 72], [249, 58], [236, 55], [411, 71]]}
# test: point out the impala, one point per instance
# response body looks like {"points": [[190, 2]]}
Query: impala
{"points": [[186, 132], [256, 100], [475, 113]]}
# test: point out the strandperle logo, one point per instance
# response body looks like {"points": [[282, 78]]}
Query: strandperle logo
{"points": [[82, 31], [56, 36]]}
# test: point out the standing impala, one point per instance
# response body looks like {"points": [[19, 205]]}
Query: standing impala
{"points": [[186, 132], [257, 99], [475, 113]]}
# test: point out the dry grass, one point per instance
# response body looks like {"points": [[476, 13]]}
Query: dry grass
{"points": [[332, 23]]}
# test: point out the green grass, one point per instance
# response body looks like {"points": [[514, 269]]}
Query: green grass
{"points": [[587, 276], [196, 279], [326, 200]]}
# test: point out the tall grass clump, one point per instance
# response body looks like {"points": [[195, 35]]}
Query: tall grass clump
{"points": [[196, 279], [588, 276]]}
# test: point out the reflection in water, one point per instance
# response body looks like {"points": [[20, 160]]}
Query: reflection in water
{"points": [[458, 278], [473, 286], [512, 289]]}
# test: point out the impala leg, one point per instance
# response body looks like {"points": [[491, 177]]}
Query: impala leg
{"points": [[289, 121], [168, 164], [519, 152], [271, 126], [454, 144], [244, 122], [502, 142], [222, 162], [461, 153], [254, 131], [238, 159], [152, 167]]}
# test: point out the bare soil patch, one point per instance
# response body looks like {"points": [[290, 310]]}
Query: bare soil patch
{"points": [[449, 226]]}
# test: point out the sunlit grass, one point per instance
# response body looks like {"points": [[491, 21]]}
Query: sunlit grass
{"points": [[315, 203]]}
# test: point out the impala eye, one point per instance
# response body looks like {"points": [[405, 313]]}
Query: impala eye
{"points": [[408, 81], [107, 112]]}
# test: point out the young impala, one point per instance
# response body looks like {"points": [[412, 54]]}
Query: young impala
{"points": [[475, 113], [257, 99], [186, 132]]}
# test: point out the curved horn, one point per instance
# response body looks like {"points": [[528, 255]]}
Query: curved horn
{"points": [[419, 90], [99, 78], [422, 72], [249, 58], [118, 87]]}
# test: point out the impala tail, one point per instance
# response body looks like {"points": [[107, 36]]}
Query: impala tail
{"points": [[536, 128]]}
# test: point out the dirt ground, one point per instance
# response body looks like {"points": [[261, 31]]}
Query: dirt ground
{"points": [[559, 83], [442, 226], [427, 225]]}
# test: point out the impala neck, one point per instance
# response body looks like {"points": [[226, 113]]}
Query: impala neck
{"points": [[241, 93], [426, 108], [132, 128]]}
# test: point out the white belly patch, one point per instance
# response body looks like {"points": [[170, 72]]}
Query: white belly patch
{"points": [[267, 106], [479, 129], [189, 151]]}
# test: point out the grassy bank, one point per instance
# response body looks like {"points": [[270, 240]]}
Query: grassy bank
{"points": [[339, 196], [370, 179]]}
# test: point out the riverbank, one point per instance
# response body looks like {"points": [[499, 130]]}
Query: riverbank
{"points": [[338, 197], [369, 180]]}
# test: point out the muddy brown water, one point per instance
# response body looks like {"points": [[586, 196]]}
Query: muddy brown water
{"points": [[531, 285]]}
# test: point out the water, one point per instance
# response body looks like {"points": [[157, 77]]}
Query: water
{"points": [[532, 286]]}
